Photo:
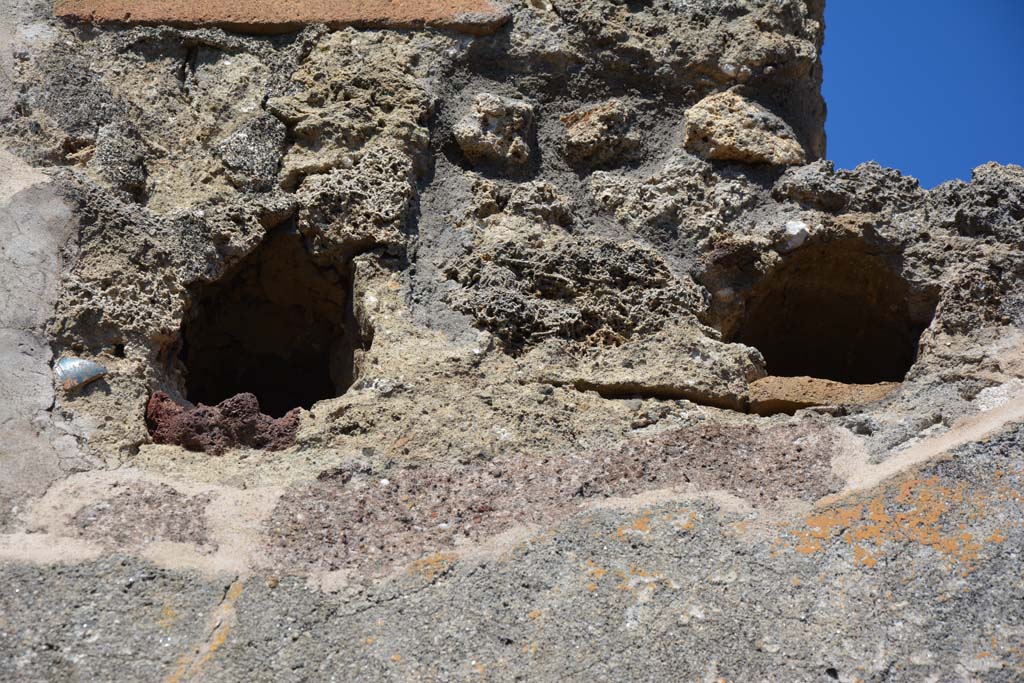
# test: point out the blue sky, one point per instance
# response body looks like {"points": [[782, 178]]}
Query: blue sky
{"points": [[930, 87]]}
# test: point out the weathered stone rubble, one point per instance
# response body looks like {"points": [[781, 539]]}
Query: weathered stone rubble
{"points": [[233, 423], [544, 281]]}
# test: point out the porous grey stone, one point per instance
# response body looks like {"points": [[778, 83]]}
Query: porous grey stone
{"points": [[496, 130]]}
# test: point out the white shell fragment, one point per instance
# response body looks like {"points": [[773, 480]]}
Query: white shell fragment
{"points": [[73, 373]]}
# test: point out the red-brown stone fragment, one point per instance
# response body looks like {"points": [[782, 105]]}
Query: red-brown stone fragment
{"points": [[478, 17], [234, 422]]}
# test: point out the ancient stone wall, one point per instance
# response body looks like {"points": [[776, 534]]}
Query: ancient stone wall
{"points": [[480, 340]]}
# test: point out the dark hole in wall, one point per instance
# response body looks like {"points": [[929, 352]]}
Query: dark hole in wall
{"points": [[278, 326], [835, 310]]}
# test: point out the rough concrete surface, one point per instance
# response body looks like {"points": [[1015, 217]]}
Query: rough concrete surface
{"points": [[466, 342]]}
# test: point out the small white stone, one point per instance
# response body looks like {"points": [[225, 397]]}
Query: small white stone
{"points": [[793, 236]]}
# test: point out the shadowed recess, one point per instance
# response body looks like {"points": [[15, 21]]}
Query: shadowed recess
{"points": [[836, 310], [278, 326]]}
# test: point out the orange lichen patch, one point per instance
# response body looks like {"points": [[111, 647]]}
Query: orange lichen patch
{"points": [[595, 574], [433, 566], [997, 536], [1007, 655], [919, 511], [641, 525], [168, 616], [222, 620], [259, 16], [863, 557], [1009, 485], [778, 547], [595, 571], [219, 638], [684, 520], [824, 526], [737, 529], [1016, 653], [636, 579]]}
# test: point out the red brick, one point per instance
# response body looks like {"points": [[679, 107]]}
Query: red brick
{"points": [[262, 16]]}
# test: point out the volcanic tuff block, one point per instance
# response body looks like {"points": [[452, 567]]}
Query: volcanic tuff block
{"points": [[728, 127], [771, 395], [259, 16], [600, 134], [496, 129]]}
